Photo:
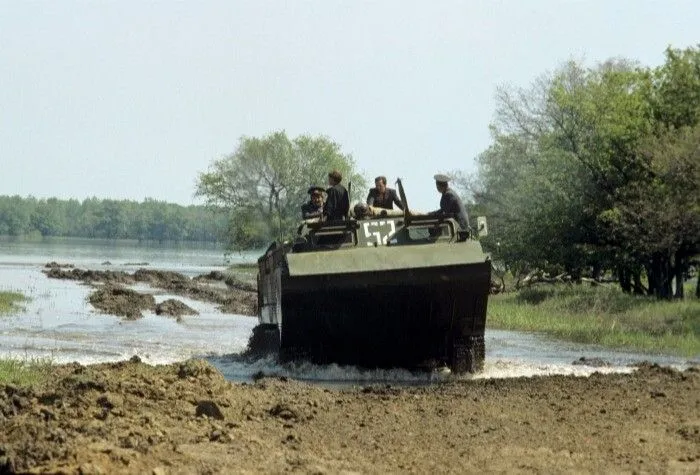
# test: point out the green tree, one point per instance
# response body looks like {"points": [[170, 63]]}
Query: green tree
{"points": [[15, 215], [586, 164], [675, 88], [658, 218], [559, 150], [47, 218], [263, 183], [111, 220]]}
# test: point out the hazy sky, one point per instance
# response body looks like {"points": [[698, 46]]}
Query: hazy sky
{"points": [[132, 99]]}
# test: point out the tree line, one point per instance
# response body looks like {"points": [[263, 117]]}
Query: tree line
{"points": [[150, 220], [596, 170]]}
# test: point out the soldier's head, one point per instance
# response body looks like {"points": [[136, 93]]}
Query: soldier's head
{"points": [[361, 210], [334, 177], [316, 195], [380, 184], [441, 182]]}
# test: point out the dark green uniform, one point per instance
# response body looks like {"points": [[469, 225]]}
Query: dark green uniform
{"points": [[450, 203], [337, 203], [385, 201], [310, 210]]}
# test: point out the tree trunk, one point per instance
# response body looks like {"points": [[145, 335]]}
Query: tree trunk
{"points": [[678, 274], [661, 268], [697, 285], [668, 277], [575, 275], [623, 276], [650, 279], [638, 287]]}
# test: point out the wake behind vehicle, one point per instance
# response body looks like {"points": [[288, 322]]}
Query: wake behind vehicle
{"points": [[396, 290]]}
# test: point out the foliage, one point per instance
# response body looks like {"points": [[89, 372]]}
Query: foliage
{"points": [[263, 184], [26, 373], [108, 219], [9, 301], [601, 315], [595, 169]]}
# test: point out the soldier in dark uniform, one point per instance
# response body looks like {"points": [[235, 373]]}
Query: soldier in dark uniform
{"points": [[382, 197], [314, 207], [450, 203], [337, 202]]}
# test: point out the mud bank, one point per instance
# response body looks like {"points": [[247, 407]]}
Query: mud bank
{"points": [[113, 296], [185, 418]]}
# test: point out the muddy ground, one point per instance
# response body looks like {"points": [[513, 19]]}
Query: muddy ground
{"points": [[130, 417], [185, 418]]}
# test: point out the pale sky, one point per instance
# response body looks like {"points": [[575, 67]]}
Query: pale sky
{"points": [[132, 99]]}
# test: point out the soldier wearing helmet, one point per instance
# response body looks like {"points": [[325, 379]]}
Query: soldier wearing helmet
{"points": [[314, 207]]}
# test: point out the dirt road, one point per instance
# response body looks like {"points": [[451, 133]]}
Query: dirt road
{"points": [[185, 418]]}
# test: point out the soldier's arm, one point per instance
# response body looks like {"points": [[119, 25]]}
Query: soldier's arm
{"points": [[308, 213], [397, 200]]}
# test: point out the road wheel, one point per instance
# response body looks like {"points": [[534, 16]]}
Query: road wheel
{"points": [[264, 341], [467, 354]]}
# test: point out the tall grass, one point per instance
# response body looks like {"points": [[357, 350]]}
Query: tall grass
{"points": [[9, 301], [603, 315], [24, 372], [20, 372]]}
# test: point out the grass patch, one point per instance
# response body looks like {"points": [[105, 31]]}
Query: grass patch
{"points": [[244, 265], [601, 315], [9, 301], [246, 271], [24, 373]]}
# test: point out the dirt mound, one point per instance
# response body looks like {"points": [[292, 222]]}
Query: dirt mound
{"points": [[89, 276], [160, 278], [214, 275], [174, 308], [185, 418], [118, 300], [58, 264], [229, 279], [237, 297]]}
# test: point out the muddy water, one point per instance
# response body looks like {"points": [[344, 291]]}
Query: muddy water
{"points": [[57, 323]]}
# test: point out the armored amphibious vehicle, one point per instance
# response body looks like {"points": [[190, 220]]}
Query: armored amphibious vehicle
{"points": [[394, 290]]}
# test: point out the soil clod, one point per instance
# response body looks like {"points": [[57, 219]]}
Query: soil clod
{"points": [[114, 297]]}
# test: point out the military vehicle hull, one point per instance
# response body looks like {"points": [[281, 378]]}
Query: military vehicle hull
{"points": [[376, 300]]}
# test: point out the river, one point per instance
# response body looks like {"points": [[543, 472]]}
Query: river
{"points": [[58, 324]]}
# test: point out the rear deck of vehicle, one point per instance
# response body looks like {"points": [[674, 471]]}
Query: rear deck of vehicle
{"points": [[378, 295]]}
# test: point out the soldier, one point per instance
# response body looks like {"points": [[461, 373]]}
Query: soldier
{"points": [[382, 197], [314, 207], [450, 203], [337, 202]]}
